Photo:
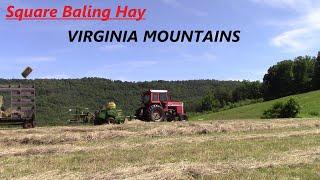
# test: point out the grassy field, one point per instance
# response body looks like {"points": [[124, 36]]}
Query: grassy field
{"points": [[233, 149], [309, 103]]}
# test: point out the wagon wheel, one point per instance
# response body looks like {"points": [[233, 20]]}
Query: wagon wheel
{"points": [[111, 120], [28, 125]]}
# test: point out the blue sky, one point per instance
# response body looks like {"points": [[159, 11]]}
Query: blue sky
{"points": [[271, 30]]}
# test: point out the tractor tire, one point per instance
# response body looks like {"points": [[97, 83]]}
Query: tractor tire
{"points": [[156, 113], [183, 118]]}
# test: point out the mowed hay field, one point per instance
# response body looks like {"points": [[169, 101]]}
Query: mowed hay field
{"points": [[233, 149]]}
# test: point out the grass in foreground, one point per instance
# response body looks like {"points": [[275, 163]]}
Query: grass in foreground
{"points": [[219, 149], [309, 103]]}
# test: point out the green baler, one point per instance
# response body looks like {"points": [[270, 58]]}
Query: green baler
{"points": [[109, 116]]}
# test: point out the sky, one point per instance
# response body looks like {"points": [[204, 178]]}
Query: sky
{"points": [[271, 31]]}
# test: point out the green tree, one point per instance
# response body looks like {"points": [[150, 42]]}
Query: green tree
{"points": [[316, 74], [303, 72], [290, 109], [247, 90], [223, 95], [209, 102], [278, 82]]}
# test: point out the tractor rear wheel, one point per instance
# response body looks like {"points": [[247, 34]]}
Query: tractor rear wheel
{"points": [[156, 113]]}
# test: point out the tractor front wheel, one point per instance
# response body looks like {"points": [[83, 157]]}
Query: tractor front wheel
{"points": [[140, 113], [156, 113], [183, 118]]}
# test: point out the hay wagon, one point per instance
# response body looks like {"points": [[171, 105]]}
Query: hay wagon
{"points": [[18, 105]]}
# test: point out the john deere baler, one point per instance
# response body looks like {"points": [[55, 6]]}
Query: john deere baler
{"points": [[109, 115]]}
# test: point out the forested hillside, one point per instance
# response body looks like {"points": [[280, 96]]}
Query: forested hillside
{"points": [[56, 97]]}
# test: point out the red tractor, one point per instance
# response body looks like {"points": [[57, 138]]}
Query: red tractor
{"points": [[158, 106]]}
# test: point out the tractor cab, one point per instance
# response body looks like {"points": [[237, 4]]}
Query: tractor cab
{"points": [[155, 97]]}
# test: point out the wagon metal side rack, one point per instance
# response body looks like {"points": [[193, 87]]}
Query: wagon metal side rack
{"points": [[23, 106]]}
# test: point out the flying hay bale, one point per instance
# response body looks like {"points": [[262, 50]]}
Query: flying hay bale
{"points": [[26, 72]]}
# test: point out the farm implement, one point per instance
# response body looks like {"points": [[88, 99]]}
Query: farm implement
{"points": [[81, 115], [108, 114], [18, 103], [21, 108]]}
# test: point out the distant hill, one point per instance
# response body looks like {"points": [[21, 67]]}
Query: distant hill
{"points": [[310, 103], [56, 97]]}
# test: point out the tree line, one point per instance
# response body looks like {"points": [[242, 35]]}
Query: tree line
{"points": [[290, 77]]}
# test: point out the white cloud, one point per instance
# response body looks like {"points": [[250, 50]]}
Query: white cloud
{"points": [[299, 5], [172, 2], [301, 35], [291, 40], [121, 78], [35, 59], [131, 65], [205, 56], [112, 47], [302, 32], [121, 67], [177, 4], [57, 76], [5, 67]]}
